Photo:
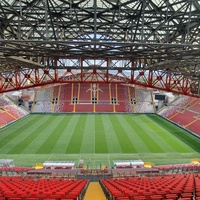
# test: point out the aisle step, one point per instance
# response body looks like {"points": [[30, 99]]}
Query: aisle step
{"points": [[94, 191]]}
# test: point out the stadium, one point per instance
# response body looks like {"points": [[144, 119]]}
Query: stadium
{"points": [[99, 99]]}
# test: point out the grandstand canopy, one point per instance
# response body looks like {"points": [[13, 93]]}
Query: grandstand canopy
{"points": [[155, 34]]}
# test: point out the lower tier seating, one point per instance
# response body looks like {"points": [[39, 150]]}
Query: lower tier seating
{"points": [[151, 187], [13, 188], [177, 186]]}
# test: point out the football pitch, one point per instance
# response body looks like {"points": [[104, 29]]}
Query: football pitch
{"points": [[98, 139]]}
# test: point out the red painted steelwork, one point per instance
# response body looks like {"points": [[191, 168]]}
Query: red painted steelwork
{"points": [[160, 80]]}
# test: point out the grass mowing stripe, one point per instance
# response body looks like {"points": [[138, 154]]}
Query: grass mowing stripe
{"points": [[88, 144], [157, 136], [40, 138], [178, 132], [100, 138], [168, 139], [28, 157], [126, 132], [133, 135], [21, 136], [20, 146], [124, 141], [152, 145], [10, 133], [76, 139], [111, 138], [56, 128], [65, 134]]}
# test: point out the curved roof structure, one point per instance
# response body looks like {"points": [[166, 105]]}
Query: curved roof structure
{"points": [[52, 34]]}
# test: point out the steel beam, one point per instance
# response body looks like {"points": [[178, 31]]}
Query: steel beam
{"points": [[160, 80]]}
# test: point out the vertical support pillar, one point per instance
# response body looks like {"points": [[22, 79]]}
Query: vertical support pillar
{"points": [[107, 68], [1, 82], [198, 88], [56, 70], [150, 78], [17, 79], [132, 70], [81, 66], [37, 76]]}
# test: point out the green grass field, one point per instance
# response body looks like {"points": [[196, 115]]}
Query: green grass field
{"points": [[96, 138]]}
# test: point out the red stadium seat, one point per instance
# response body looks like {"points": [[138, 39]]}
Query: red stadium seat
{"points": [[159, 187], [28, 188]]}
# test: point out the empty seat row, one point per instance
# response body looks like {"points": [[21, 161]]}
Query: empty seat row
{"points": [[179, 186], [41, 188]]}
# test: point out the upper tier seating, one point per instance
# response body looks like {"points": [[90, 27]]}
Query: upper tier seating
{"points": [[144, 101], [184, 111], [176, 105], [88, 97], [10, 112], [195, 105]]}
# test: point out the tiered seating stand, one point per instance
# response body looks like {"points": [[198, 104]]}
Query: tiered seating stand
{"points": [[162, 187], [19, 188]]}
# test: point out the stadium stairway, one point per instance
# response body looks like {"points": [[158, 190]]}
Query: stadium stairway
{"points": [[94, 191]]}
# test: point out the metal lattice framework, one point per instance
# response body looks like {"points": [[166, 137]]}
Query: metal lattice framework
{"points": [[153, 43]]}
